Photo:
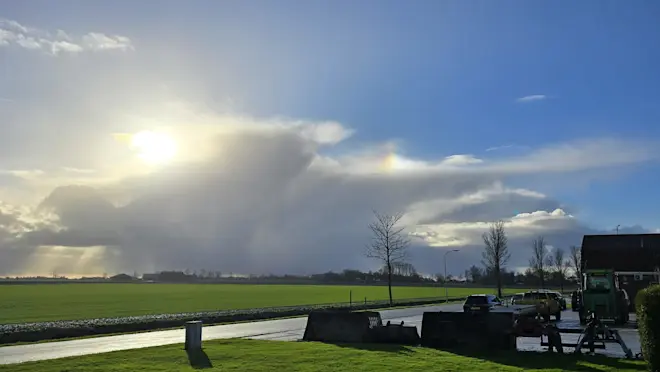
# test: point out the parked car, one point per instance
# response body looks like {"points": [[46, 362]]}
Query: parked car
{"points": [[576, 300], [545, 303], [516, 297], [559, 298], [481, 302]]}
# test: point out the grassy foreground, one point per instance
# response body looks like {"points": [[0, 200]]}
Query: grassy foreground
{"points": [[48, 302], [267, 356]]}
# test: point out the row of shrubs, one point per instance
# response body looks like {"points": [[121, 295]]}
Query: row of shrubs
{"points": [[647, 303], [31, 332]]}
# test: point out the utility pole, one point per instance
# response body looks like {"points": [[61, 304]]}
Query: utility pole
{"points": [[617, 229], [445, 259]]}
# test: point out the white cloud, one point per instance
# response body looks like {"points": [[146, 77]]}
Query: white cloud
{"points": [[13, 33], [25, 173], [78, 170], [586, 154], [257, 196], [461, 160], [507, 147], [14, 26], [98, 41], [57, 47], [6, 37], [27, 42], [62, 35], [532, 98], [329, 133]]}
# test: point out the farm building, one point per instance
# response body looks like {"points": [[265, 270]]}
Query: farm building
{"points": [[150, 277], [121, 278], [627, 253]]}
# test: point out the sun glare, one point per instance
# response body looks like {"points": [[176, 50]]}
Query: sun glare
{"points": [[153, 148]]}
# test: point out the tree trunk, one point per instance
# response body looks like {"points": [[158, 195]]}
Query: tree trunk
{"points": [[499, 282], [389, 281]]}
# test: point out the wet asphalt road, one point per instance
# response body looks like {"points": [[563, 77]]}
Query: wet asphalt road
{"points": [[281, 329]]}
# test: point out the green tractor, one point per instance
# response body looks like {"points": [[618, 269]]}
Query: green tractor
{"points": [[602, 296]]}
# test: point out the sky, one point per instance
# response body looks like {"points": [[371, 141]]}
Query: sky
{"points": [[258, 136]]}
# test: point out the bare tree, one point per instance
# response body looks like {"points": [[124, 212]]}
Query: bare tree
{"points": [[476, 273], [388, 243], [540, 260], [560, 265], [401, 269], [576, 262], [496, 252]]}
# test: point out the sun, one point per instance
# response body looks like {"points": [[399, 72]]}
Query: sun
{"points": [[153, 147]]}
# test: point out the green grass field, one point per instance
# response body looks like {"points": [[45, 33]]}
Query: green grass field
{"points": [[266, 356], [46, 302]]}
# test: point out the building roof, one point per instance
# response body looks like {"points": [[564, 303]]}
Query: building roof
{"points": [[121, 277], [621, 252]]}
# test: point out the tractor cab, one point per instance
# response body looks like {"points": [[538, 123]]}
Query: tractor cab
{"points": [[603, 297]]}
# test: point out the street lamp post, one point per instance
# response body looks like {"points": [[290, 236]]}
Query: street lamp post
{"points": [[617, 229], [445, 258]]}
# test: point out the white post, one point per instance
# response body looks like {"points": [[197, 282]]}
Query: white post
{"points": [[193, 335], [445, 259]]}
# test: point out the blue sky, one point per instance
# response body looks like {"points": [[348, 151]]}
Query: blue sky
{"points": [[438, 77]]}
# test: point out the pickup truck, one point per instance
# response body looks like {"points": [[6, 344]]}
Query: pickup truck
{"points": [[545, 303], [559, 298]]}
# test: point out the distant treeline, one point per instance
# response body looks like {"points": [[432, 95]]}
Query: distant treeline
{"points": [[401, 274]]}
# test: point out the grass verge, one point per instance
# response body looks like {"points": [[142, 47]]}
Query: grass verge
{"points": [[55, 302], [253, 355]]}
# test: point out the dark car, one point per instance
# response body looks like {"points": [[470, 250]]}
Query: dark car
{"points": [[481, 302]]}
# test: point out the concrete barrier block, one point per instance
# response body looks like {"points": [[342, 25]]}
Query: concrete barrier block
{"points": [[396, 334], [341, 327], [468, 330]]}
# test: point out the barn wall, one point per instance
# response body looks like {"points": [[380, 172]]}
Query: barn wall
{"points": [[621, 252]]}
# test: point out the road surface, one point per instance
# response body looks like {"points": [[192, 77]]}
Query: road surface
{"points": [[290, 329]]}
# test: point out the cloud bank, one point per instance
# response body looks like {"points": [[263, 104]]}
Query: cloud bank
{"points": [[59, 42], [243, 194], [275, 196]]}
